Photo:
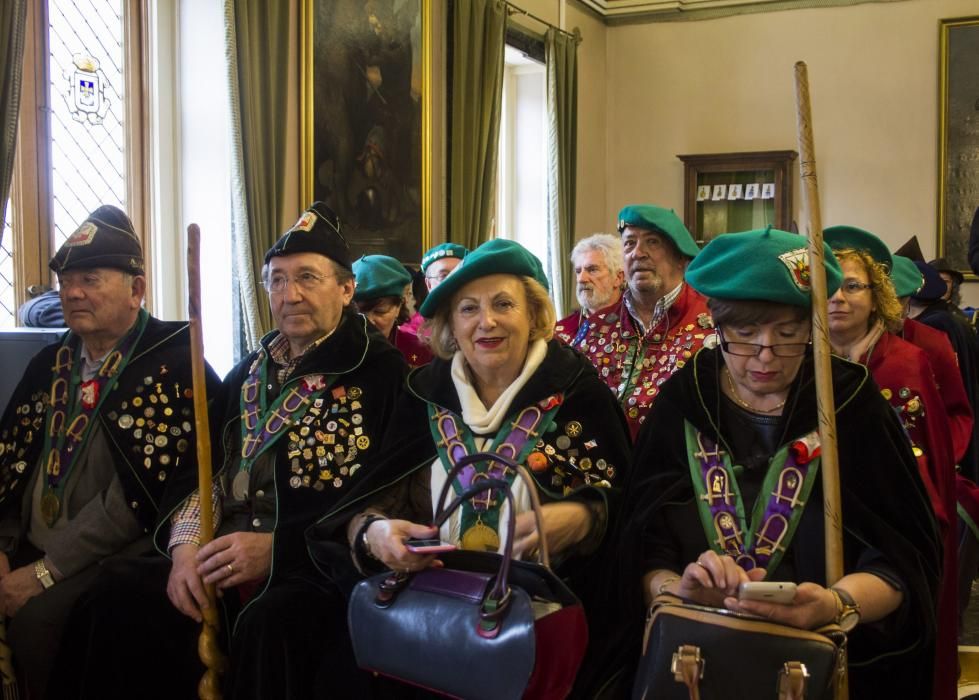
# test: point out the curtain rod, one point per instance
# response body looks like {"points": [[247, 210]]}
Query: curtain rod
{"points": [[513, 9]]}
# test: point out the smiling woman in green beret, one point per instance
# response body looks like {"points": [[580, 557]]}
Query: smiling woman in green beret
{"points": [[499, 383], [741, 417]]}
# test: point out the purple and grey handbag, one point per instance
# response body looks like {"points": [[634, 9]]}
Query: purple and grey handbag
{"points": [[483, 626]]}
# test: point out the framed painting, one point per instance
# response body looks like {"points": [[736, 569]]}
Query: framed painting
{"points": [[958, 176], [366, 105]]}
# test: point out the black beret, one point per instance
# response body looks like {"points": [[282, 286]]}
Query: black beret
{"points": [[105, 239], [317, 231]]}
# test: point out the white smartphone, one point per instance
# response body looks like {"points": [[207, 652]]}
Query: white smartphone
{"points": [[768, 591]]}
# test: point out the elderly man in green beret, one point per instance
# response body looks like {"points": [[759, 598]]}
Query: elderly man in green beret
{"points": [[95, 442], [659, 324], [437, 264]]}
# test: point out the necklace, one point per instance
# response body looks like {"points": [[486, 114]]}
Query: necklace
{"points": [[744, 404]]}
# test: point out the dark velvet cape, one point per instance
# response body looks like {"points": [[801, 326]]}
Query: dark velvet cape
{"points": [[159, 366], [884, 503]]}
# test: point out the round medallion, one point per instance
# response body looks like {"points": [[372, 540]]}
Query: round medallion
{"points": [[363, 442], [480, 538], [295, 482], [160, 441], [354, 392], [563, 442], [126, 421], [50, 507]]}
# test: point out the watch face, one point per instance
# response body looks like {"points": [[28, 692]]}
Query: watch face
{"points": [[849, 620]]}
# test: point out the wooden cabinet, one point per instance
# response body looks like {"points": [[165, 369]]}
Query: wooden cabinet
{"points": [[730, 192]]}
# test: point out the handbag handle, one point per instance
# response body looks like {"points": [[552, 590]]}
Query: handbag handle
{"points": [[543, 554]]}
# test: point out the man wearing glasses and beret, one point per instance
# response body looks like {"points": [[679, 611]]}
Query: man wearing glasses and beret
{"points": [[298, 423]]}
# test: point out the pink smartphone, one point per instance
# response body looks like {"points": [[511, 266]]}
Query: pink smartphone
{"points": [[433, 546]]}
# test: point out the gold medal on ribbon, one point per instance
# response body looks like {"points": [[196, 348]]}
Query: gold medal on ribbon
{"points": [[481, 538], [50, 508]]}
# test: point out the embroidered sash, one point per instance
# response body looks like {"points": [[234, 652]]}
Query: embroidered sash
{"points": [[262, 425], [73, 404], [775, 516], [479, 524]]}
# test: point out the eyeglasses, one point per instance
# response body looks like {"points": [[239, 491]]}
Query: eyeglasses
{"points": [[440, 276], [307, 281], [852, 287], [754, 349]]}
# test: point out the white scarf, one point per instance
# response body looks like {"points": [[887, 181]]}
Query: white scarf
{"points": [[474, 414]]}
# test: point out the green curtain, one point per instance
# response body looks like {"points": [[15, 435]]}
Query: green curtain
{"points": [[478, 38], [13, 20], [258, 53], [561, 51]]}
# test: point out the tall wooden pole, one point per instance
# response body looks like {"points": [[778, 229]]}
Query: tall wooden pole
{"points": [[825, 405], [824, 377], [209, 687]]}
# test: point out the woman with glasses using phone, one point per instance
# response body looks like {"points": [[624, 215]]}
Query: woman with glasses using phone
{"points": [[725, 487], [862, 315]]}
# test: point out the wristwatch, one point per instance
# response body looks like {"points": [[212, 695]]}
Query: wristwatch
{"points": [[43, 575], [847, 610]]}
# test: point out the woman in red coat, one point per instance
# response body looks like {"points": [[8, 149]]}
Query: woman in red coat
{"points": [[862, 315]]}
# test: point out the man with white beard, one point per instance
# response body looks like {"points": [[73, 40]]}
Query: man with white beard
{"points": [[599, 279]]}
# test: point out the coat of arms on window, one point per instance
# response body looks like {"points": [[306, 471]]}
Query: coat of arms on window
{"points": [[86, 90]]}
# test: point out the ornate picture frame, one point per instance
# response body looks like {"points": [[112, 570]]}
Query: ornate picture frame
{"points": [[958, 138], [367, 120]]}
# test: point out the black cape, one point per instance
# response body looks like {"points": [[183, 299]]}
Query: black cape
{"points": [[885, 510]]}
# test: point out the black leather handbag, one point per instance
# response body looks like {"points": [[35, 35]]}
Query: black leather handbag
{"points": [[696, 652], [482, 626]]}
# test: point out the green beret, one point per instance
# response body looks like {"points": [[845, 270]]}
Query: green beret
{"points": [[840, 237], [765, 265], [660, 220], [317, 231], [498, 256], [105, 239], [379, 276], [443, 250], [906, 276]]}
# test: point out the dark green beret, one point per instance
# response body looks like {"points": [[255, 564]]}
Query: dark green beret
{"points": [[379, 276], [766, 265], [443, 250], [660, 220], [317, 231], [105, 239], [498, 256], [906, 276], [840, 237]]}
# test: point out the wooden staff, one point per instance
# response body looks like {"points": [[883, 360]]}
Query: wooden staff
{"points": [[209, 687], [825, 405]]}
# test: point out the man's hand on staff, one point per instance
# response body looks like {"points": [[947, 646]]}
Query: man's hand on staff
{"points": [[233, 559], [184, 587]]}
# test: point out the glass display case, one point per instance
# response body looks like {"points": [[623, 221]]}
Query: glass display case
{"points": [[730, 192]]}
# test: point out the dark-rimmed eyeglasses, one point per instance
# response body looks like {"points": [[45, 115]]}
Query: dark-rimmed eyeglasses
{"points": [[754, 349]]}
